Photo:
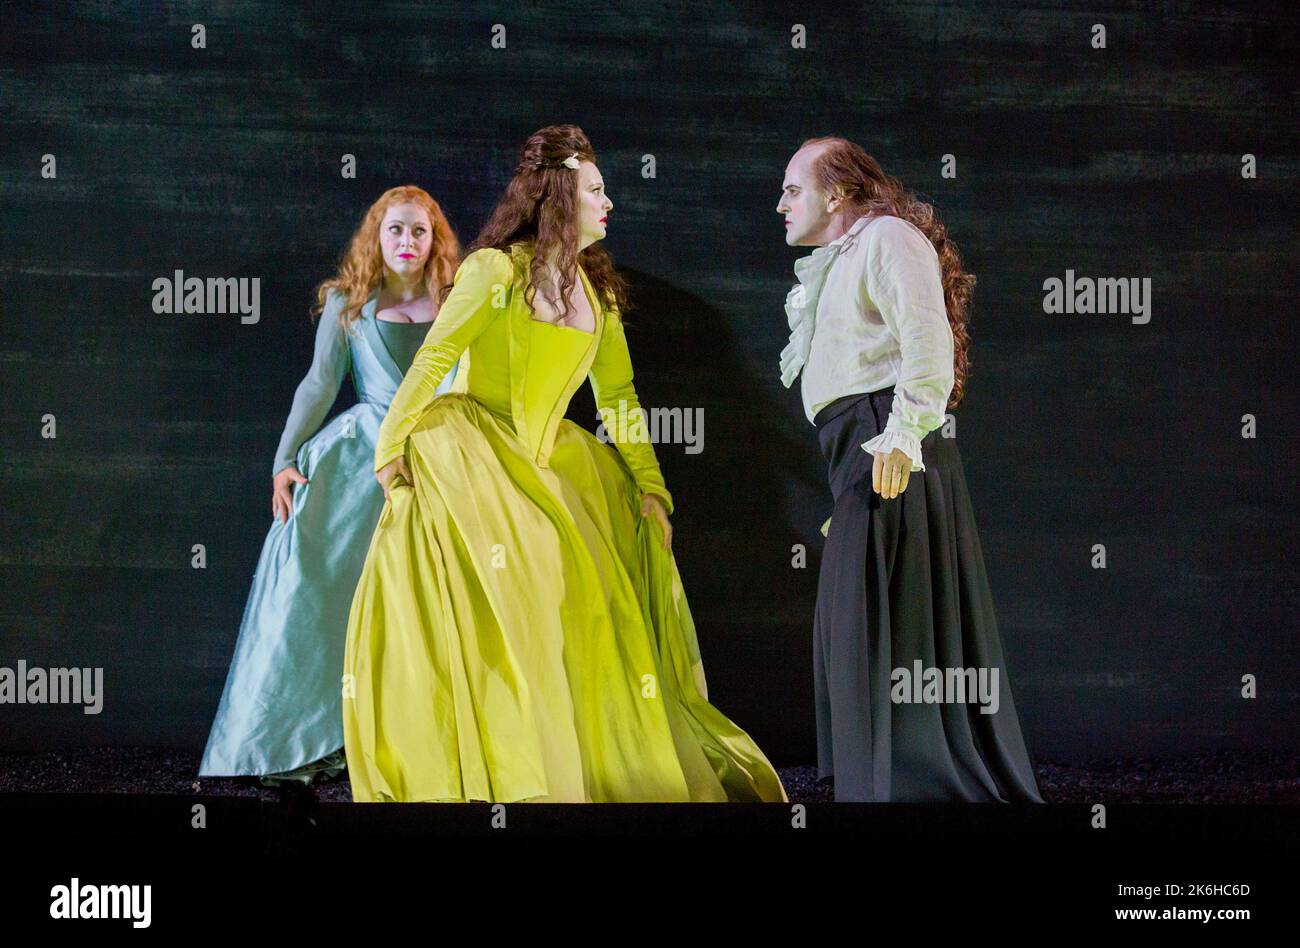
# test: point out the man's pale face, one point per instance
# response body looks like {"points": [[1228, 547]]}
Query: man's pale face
{"points": [[809, 215]]}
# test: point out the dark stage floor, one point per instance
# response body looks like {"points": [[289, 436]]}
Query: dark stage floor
{"points": [[1221, 777]]}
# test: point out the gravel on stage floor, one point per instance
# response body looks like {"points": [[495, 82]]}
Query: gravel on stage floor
{"points": [[1220, 777]]}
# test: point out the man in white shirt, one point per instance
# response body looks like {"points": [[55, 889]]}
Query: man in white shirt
{"points": [[883, 321], [877, 332]]}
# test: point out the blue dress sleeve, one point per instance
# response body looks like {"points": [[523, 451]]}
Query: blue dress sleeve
{"points": [[318, 389]]}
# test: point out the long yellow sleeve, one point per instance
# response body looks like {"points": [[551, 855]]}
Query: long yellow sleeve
{"points": [[479, 295], [611, 383]]}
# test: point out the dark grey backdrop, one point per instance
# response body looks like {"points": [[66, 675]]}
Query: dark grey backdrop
{"points": [[1077, 430]]}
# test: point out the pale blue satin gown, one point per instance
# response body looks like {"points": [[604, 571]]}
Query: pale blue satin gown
{"points": [[281, 709]]}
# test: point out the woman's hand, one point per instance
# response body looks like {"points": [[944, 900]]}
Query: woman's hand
{"points": [[890, 473], [652, 505], [394, 468], [282, 493]]}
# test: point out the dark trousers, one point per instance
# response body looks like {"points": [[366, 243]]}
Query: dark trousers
{"points": [[903, 580]]}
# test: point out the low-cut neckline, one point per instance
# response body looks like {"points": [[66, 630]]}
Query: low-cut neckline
{"points": [[534, 319], [584, 282]]}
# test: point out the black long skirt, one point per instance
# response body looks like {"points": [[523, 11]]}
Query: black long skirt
{"points": [[903, 607]]}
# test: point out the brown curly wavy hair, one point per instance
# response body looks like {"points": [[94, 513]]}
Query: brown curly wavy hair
{"points": [[540, 206], [361, 271], [845, 170]]}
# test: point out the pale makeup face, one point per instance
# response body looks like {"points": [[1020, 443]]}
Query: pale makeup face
{"points": [[593, 205], [406, 239], [809, 214]]}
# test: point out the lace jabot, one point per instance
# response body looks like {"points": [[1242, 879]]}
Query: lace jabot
{"points": [[801, 301]]}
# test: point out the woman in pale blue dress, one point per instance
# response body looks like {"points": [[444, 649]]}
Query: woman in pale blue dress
{"points": [[280, 715]]}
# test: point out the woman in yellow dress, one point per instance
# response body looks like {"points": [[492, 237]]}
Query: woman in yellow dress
{"points": [[520, 631]]}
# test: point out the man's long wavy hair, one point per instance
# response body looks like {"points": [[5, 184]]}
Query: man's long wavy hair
{"points": [[361, 270], [844, 169], [541, 205]]}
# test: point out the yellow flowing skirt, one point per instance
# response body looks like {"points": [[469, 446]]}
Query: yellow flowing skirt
{"points": [[520, 634]]}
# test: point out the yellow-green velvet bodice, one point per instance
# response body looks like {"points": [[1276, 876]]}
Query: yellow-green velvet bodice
{"points": [[520, 367], [553, 354]]}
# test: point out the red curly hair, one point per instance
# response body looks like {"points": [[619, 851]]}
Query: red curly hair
{"points": [[361, 270]]}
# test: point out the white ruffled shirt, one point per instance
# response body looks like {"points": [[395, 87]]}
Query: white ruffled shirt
{"points": [[868, 312]]}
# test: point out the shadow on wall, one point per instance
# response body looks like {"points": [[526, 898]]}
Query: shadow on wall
{"points": [[733, 529]]}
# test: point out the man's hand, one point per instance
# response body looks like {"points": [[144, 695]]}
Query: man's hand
{"points": [[890, 473], [652, 505], [394, 468]]}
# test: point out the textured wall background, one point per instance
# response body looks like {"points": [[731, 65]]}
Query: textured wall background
{"points": [[1076, 430]]}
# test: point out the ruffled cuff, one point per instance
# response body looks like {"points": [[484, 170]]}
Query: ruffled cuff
{"points": [[886, 441]]}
